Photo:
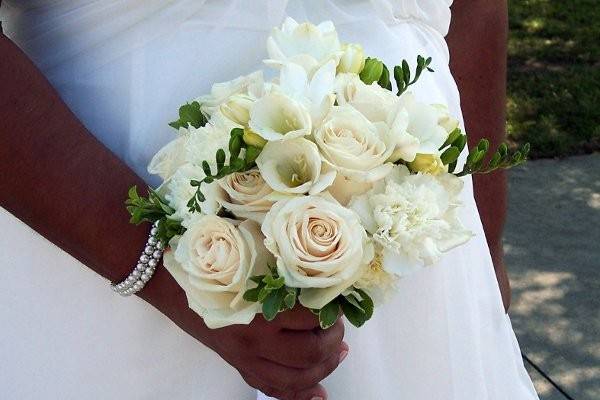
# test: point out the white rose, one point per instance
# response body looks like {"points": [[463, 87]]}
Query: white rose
{"points": [[414, 218], [373, 101], [212, 261], [304, 44], [166, 161], [177, 191], [246, 195], [294, 167], [352, 60], [320, 247], [279, 117], [354, 146], [251, 85], [379, 105]]}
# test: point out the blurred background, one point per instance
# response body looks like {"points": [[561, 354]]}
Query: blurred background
{"points": [[552, 239]]}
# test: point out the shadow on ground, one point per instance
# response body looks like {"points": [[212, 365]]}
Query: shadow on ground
{"points": [[552, 246]]}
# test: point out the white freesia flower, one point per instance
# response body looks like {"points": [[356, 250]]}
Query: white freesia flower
{"points": [[352, 60], [320, 247], [213, 261], [304, 44], [251, 85], [177, 191], [354, 146], [166, 161], [413, 217], [294, 167], [246, 195], [203, 142], [315, 93], [279, 117], [237, 108], [379, 105], [429, 124]]}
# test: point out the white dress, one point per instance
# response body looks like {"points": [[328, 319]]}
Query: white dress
{"points": [[124, 67]]}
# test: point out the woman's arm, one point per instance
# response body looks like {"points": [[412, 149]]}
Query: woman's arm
{"points": [[56, 177], [477, 41]]}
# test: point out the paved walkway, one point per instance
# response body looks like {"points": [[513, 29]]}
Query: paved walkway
{"points": [[552, 246]]}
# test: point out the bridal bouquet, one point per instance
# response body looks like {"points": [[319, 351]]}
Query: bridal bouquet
{"points": [[321, 187]]}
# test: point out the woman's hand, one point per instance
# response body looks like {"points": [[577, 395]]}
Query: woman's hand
{"points": [[285, 358]]}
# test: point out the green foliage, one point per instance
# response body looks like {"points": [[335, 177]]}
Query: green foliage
{"points": [[454, 145], [501, 159], [236, 164], [190, 114], [357, 307], [553, 77], [402, 74], [151, 209], [272, 293]]}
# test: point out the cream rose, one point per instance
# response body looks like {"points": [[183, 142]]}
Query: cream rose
{"points": [[213, 261], [320, 247], [170, 157], [246, 195], [354, 146], [294, 167]]}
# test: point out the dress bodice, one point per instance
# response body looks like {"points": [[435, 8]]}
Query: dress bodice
{"points": [[124, 67]]}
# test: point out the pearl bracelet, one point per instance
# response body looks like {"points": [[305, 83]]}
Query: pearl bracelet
{"points": [[145, 267]]}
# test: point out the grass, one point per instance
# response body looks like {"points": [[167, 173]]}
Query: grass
{"points": [[554, 76]]}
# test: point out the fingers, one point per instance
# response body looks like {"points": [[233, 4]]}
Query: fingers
{"points": [[292, 383], [303, 349], [299, 318]]}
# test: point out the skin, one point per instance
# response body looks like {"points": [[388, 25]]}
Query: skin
{"points": [[478, 47], [45, 149]]}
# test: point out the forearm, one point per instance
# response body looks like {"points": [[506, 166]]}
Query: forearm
{"points": [[56, 177], [478, 41]]}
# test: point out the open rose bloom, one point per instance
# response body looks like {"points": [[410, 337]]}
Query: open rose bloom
{"points": [[319, 188]]}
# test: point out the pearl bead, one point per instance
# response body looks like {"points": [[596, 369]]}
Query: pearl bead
{"points": [[145, 277], [136, 273], [140, 267], [149, 250], [138, 285], [160, 246], [130, 279], [153, 263], [152, 241], [149, 271], [157, 254], [144, 259], [153, 231]]}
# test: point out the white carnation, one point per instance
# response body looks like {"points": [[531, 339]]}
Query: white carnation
{"points": [[413, 217]]}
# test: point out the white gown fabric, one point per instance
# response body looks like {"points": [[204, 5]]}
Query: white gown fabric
{"points": [[124, 67]]}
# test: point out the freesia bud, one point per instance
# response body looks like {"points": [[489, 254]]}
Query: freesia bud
{"points": [[372, 71], [428, 164], [352, 60], [253, 139], [237, 109]]}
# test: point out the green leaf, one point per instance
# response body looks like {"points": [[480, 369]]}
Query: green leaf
{"points": [[356, 316], [220, 159], [252, 294], [405, 72], [272, 304], [329, 314], [257, 278], [450, 155], [452, 137], [290, 298], [384, 79], [274, 283], [189, 114]]}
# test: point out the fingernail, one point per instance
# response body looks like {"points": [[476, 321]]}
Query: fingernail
{"points": [[343, 355]]}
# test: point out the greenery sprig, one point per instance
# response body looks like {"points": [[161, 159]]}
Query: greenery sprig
{"points": [[476, 160], [151, 209], [376, 71], [272, 293], [190, 114], [236, 164], [402, 73], [276, 297]]}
